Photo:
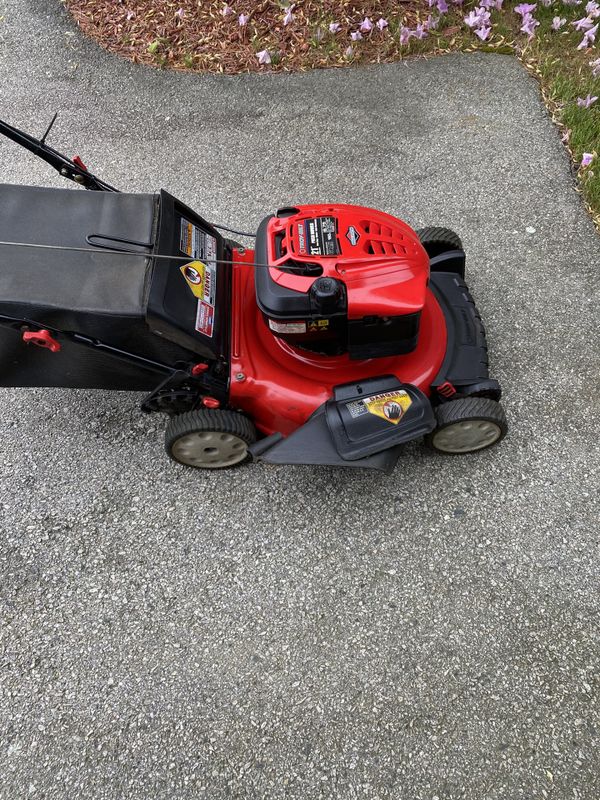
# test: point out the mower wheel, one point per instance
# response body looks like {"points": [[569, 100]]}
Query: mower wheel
{"points": [[467, 424], [209, 438], [439, 240]]}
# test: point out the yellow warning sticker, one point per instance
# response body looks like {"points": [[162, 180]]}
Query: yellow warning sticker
{"points": [[195, 276], [318, 325], [390, 406]]}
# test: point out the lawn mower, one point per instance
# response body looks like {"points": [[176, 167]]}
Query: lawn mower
{"points": [[341, 336]]}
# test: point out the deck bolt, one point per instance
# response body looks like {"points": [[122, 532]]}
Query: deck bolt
{"points": [[240, 377]]}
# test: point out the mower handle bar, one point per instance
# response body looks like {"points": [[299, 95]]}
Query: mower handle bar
{"points": [[68, 168]]}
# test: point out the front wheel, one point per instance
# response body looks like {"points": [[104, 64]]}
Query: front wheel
{"points": [[467, 425], [209, 439]]}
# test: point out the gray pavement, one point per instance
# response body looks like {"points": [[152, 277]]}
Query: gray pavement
{"points": [[307, 632]]}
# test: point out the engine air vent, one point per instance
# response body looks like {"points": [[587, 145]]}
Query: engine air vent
{"points": [[382, 240]]}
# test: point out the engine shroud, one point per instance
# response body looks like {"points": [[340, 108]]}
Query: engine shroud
{"points": [[341, 279]]}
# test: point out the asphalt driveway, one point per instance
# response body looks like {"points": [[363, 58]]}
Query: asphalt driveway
{"points": [[307, 632]]}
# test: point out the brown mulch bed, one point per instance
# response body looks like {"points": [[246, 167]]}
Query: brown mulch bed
{"points": [[195, 35]]}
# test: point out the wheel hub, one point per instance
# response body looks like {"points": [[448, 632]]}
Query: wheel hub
{"points": [[466, 436], [210, 449]]}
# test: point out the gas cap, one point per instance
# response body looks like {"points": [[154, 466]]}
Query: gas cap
{"points": [[326, 295]]}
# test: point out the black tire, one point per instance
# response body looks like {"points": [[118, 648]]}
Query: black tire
{"points": [[209, 438], [439, 240], [467, 425]]}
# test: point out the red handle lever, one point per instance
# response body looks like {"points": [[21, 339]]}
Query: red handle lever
{"points": [[42, 339]]}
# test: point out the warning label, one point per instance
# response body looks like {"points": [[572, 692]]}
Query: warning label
{"points": [[200, 274], [201, 278], [196, 243], [390, 406], [317, 237], [318, 325], [205, 318]]}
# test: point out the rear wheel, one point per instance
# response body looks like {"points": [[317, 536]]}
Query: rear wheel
{"points": [[209, 439], [439, 240], [467, 425]]}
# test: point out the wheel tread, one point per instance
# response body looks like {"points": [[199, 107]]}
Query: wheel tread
{"points": [[440, 235], [466, 408]]}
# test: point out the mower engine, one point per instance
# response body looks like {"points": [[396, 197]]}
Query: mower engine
{"points": [[341, 279]]}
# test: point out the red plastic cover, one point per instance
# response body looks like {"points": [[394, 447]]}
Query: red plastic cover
{"points": [[378, 257]]}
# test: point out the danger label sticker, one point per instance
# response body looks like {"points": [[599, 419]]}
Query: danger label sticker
{"points": [[390, 406], [318, 237]]}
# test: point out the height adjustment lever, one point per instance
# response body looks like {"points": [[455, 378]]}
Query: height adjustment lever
{"points": [[42, 338]]}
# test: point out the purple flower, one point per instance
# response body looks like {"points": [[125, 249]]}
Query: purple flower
{"points": [[595, 65], [483, 33], [227, 11], [592, 9], [349, 52], [587, 159], [478, 18], [180, 13], [431, 23], [288, 17], [525, 8], [589, 37], [356, 36], [334, 27], [243, 19], [586, 102], [442, 6], [382, 24], [583, 24], [264, 57], [405, 34], [529, 25], [130, 15], [420, 31], [366, 25], [557, 23]]}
